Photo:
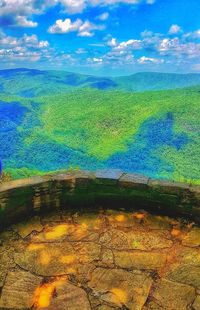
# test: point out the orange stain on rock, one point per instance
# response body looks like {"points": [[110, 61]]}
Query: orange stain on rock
{"points": [[44, 258], [120, 218], [175, 232], [57, 232], [44, 294], [119, 295], [81, 230], [139, 216], [97, 224], [68, 259], [35, 247]]}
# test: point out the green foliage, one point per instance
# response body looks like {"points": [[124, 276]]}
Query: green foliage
{"points": [[5, 177], [70, 127]]}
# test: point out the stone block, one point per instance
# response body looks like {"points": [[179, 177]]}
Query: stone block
{"points": [[169, 187], [108, 176], [133, 181]]}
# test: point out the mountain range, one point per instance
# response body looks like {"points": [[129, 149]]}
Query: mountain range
{"points": [[31, 82]]}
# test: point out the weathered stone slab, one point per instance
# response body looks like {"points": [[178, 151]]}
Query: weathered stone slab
{"points": [[107, 258], [18, 290], [188, 256], [108, 176], [87, 252], [65, 231], [186, 274], [83, 178], [118, 287], [89, 221], [105, 307], [174, 296], [55, 259], [140, 260], [48, 259], [133, 181], [157, 222], [169, 187], [152, 305], [138, 240], [196, 304], [60, 295], [67, 178], [26, 228], [6, 262], [192, 239], [117, 219], [54, 233], [35, 180]]}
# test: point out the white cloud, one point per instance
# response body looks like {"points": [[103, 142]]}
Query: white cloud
{"points": [[112, 2], [125, 45], [83, 28], [177, 47], [64, 26], [174, 29], [87, 28], [130, 44], [147, 60], [19, 12], [103, 16], [78, 6], [168, 44], [73, 6], [23, 22], [81, 50], [24, 48], [98, 60], [192, 35], [16, 12], [112, 42]]}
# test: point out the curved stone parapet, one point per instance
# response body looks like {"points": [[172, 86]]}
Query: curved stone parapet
{"points": [[86, 190]]}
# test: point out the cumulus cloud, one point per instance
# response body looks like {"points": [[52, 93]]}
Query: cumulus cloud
{"points": [[103, 16], [192, 35], [20, 12], [24, 22], [148, 60], [24, 48], [125, 45], [16, 12], [64, 26], [83, 28], [160, 49], [174, 29], [73, 6], [112, 42], [177, 47]]}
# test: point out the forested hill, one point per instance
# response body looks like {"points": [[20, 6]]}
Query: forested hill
{"points": [[30, 83]]}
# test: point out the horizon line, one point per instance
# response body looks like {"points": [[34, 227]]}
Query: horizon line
{"points": [[114, 76]]}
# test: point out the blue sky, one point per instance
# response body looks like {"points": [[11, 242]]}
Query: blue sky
{"points": [[102, 37]]}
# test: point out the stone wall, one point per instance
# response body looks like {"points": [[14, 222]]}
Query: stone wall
{"points": [[89, 190]]}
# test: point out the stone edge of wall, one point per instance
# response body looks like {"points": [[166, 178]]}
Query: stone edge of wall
{"points": [[113, 188]]}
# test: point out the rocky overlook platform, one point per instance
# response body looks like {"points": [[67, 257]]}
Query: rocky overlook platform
{"points": [[100, 261], [87, 240]]}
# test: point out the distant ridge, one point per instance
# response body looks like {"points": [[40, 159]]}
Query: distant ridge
{"points": [[33, 82]]}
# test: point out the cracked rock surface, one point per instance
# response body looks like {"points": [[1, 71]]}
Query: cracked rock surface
{"points": [[101, 261]]}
